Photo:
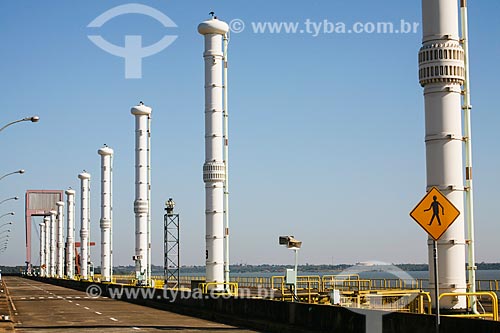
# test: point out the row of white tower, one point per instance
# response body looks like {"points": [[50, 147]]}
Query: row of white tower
{"points": [[215, 172], [55, 264], [57, 257]]}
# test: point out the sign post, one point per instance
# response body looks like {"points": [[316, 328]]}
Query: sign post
{"points": [[436, 283], [435, 214]]}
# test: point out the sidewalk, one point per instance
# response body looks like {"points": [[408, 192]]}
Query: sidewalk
{"points": [[5, 310]]}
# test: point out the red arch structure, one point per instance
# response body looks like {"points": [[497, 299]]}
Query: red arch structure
{"points": [[38, 203]]}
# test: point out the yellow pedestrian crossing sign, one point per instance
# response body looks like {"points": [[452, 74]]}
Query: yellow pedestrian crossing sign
{"points": [[435, 213]]}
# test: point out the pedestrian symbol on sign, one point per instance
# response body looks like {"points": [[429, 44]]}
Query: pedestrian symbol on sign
{"points": [[435, 210]]}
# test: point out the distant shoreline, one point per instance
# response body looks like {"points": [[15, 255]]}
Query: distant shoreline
{"points": [[264, 268]]}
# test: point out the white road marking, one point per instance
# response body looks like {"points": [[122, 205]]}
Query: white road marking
{"points": [[86, 308], [135, 328], [77, 304], [41, 297], [70, 301], [98, 313], [113, 319], [23, 297]]}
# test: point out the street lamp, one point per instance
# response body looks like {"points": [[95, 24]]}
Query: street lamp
{"points": [[20, 171], [6, 223], [13, 198], [33, 119], [292, 244], [9, 213]]}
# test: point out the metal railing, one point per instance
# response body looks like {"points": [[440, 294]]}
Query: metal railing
{"points": [[412, 301], [229, 288], [489, 315]]}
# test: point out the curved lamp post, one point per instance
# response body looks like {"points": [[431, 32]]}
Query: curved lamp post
{"points": [[20, 171], [33, 119], [13, 198], [9, 213], [6, 223]]}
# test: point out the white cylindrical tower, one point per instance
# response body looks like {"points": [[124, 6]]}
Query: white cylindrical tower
{"points": [[85, 225], [441, 73], [42, 249], [214, 169], [141, 203], [106, 170], [46, 219], [53, 235], [70, 233], [60, 240]]}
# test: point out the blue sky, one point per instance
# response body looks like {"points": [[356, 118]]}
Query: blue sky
{"points": [[326, 132]]}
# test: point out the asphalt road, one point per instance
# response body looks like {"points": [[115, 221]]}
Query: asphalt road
{"points": [[41, 307]]}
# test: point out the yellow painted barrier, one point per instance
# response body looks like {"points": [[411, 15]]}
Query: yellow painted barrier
{"points": [[208, 287], [494, 304]]}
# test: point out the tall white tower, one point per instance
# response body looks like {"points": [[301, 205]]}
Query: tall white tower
{"points": [[46, 219], [60, 239], [42, 249], [441, 73], [213, 31], [53, 234], [70, 233], [106, 207], [85, 225], [141, 258]]}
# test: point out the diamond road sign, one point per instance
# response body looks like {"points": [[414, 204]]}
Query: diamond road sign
{"points": [[435, 213]]}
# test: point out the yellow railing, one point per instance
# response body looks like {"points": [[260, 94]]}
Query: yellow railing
{"points": [[252, 282], [397, 283], [158, 284], [229, 288], [278, 282], [494, 304], [493, 285], [309, 282], [327, 282], [413, 301]]}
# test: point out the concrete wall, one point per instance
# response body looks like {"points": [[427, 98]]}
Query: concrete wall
{"points": [[275, 316]]}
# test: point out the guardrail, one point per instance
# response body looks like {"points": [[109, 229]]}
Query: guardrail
{"points": [[492, 285], [327, 282], [229, 288], [412, 301], [494, 304]]}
